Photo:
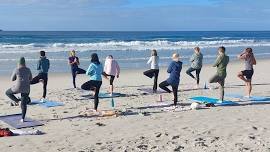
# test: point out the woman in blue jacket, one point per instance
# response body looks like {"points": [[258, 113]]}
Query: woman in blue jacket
{"points": [[174, 70], [94, 70]]}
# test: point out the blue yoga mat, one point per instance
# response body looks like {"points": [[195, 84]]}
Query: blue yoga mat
{"points": [[105, 95], [252, 98], [47, 104], [202, 99], [14, 121]]}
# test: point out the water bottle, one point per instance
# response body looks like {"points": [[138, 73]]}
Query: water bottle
{"points": [[112, 103], [205, 85], [160, 98]]}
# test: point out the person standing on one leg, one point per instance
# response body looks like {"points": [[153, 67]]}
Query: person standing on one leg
{"points": [[196, 65], [22, 75], [74, 63], [221, 64], [112, 70], [43, 68], [154, 71], [95, 71], [247, 74], [174, 70]]}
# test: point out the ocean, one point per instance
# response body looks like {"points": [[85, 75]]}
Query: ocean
{"points": [[131, 49]]}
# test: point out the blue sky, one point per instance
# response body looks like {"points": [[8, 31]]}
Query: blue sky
{"points": [[135, 15]]}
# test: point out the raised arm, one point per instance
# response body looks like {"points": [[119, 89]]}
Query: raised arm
{"points": [[150, 60], [89, 70], [192, 58], [38, 65], [218, 61], [14, 76], [169, 70], [117, 68], [30, 75]]}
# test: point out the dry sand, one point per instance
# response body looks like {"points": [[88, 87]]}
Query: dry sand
{"points": [[237, 128]]}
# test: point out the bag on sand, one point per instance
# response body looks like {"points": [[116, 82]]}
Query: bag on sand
{"points": [[5, 132]]}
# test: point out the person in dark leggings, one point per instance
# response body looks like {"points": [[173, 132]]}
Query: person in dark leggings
{"points": [[221, 63], [43, 68], [196, 65], [74, 63], [246, 75], [154, 71], [22, 75], [174, 70], [112, 70], [95, 71]]}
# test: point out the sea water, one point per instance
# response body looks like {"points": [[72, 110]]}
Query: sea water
{"points": [[131, 49]]}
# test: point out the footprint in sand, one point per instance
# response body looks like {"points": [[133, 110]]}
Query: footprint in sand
{"points": [[175, 137], [179, 148], [100, 124]]}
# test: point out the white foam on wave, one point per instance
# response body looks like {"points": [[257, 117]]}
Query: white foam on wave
{"points": [[127, 45]]}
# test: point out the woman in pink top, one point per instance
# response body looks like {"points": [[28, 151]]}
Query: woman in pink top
{"points": [[112, 70]]}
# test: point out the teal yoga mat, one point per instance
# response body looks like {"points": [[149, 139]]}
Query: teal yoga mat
{"points": [[252, 98], [202, 99], [14, 121], [47, 104]]}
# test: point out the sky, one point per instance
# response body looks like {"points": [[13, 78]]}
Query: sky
{"points": [[134, 15]]}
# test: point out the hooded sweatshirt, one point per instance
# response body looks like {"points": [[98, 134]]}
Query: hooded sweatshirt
{"points": [[43, 65], [221, 64], [22, 76], [111, 67], [196, 60], [174, 70], [95, 71]]}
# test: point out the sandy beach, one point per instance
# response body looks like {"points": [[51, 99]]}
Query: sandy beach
{"points": [[138, 128]]}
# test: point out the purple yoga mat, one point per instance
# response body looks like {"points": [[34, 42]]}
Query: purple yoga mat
{"points": [[14, 121]]}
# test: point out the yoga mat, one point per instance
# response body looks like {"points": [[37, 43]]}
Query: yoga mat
{"points": [[202, 99], [14, 121], [252, 98], [105, 95], [150, 91], [46, 104]]}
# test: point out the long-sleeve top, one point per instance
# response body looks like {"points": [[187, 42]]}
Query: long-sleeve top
{"points": [[221, 64], [22, 76], [196, 60], [95, 71], [154, 60], [111, 67], [43, 65], [174, 70], [74, 65]]}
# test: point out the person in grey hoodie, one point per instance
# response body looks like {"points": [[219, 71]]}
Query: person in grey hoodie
{"points": [[196, 65], [22, 75], [43, 67]]}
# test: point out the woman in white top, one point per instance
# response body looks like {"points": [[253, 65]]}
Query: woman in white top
{"points": [[247, 73], [154, 71]]}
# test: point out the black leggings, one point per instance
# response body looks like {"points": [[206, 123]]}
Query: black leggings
{"points": [[24, 100], [153, 73], [74, 72], [44, 77], [163, 85], [111, 77], [198, 71], [95, 86]]}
